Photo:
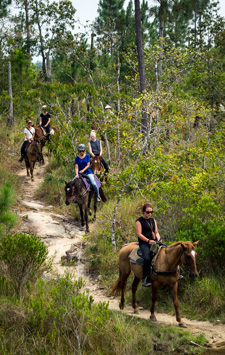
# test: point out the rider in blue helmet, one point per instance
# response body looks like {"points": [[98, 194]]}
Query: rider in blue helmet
{"points": [[82, 166]]}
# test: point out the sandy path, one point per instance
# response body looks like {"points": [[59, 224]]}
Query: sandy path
{"points": [[60, 233]]}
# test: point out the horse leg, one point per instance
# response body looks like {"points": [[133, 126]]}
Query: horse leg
{"points": [[32, 170], [176, 305], [27, 166], [152, 309], [82, 218], [89, 202], [95, 207], [123, 283], [134, 290], [86, 218]]}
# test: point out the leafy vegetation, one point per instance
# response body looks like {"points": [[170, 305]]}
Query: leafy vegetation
{"points": [[178, 158]]}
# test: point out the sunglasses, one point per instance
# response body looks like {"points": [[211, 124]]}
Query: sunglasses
{"points": [[81, 150], [29, 122], [147, 212]]}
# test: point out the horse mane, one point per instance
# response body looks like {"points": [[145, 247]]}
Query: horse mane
{"points": [[186, 243]]}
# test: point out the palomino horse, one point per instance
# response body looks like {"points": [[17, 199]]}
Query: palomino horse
{"points": [[33, 154], [165, 272], [76, 189]]}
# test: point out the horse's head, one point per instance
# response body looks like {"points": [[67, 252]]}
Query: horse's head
{"points": [[188, 257], [96, 166], [39, 134], [70, 190]]}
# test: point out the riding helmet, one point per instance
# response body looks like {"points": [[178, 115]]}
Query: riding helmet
{"points": [[81, 147]]}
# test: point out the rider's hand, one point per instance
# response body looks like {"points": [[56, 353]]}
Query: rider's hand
{"points": [[77, 176], [152, 242]]}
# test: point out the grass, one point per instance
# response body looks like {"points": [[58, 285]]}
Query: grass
{"points": [[57, 317]]}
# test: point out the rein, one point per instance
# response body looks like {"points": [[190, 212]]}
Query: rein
{"points": [[172, 272], [80, 196]]}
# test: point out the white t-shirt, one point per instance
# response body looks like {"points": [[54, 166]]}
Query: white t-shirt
{"points": [[29, 132]]}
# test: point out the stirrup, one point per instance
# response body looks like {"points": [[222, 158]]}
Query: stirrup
{"points": [[146, 283]]}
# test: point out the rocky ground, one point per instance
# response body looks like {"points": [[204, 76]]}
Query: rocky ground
{"points": [[61, 234]]}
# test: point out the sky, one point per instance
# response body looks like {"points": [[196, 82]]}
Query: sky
{"points": [[87, 9]]}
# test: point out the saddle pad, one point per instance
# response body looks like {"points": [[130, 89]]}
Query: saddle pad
{"points": [[87, 183], [136, 256]]}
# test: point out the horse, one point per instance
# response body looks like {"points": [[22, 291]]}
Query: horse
{"points": [[41, 134], [97, 168], [32, 154], [165, 272], [77, 189]]}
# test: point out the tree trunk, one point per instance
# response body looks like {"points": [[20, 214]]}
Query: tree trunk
{"points": [[118, 107], [49, 70], [141, 63], [27, 25], [41, 43], [10, 121]]}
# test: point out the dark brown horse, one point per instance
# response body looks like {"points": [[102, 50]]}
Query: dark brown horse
{"points": [[41, 134], [32, 154], [76, 189], [165, 272]]}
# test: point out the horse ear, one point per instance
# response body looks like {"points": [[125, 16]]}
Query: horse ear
{"points": [[196, 243], [65, 182]]}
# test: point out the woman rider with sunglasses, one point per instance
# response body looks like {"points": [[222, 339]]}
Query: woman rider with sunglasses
{"points": [[147, 231], [82, 166]]}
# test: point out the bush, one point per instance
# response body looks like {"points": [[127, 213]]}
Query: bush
{"points": [[22, 255], [7, 218]]}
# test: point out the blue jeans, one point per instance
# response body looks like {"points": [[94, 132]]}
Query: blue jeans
{"points": [[93, 183]]}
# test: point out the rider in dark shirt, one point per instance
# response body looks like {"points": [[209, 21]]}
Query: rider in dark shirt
{"points": [[147, 231], [45, 120], [95, 149]]}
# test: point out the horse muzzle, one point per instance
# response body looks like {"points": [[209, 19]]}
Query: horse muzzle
{"points": [[193, 274], [67, 203]]}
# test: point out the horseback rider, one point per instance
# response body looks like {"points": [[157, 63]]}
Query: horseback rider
{"points": [[82, 166], [95, 150], [45, 121], [29, 132], [148, 235]]}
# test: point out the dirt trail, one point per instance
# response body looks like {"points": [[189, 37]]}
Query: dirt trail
{"points": [[60, 233]]}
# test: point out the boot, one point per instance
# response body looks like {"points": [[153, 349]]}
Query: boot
{"points": [[21, 159], [146, 282]]}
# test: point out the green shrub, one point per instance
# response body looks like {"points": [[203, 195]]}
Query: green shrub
{"points": [[22, 255], [7, 218]]}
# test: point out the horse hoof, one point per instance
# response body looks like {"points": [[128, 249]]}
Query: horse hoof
{"points": [[182, 325], [120, 305], [81, 228], [153, 319], [86, 232], [32, 179], [136, 311]]}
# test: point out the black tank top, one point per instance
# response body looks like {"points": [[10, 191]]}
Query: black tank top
{"points": [[146, 229], [95, 147]]}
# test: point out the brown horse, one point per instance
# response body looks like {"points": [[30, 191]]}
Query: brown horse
{"points": [[165, 272], [76, 189], [42, 136], [33, 154], [97, 168]]}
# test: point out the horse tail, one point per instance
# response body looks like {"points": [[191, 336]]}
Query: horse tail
{"points": [[117, 287], [103, 197]]}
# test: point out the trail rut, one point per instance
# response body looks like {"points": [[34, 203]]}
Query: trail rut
{"points": [[60, 233]]}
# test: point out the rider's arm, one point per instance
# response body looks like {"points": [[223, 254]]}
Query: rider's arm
{"points": [[90, 150], [86, 167], [76, 170], [140, 235], [40, 120], [157, 233], [100, 154]]}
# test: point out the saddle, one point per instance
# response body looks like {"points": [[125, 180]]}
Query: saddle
{"points": [[87, 182], [136, 255]]}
